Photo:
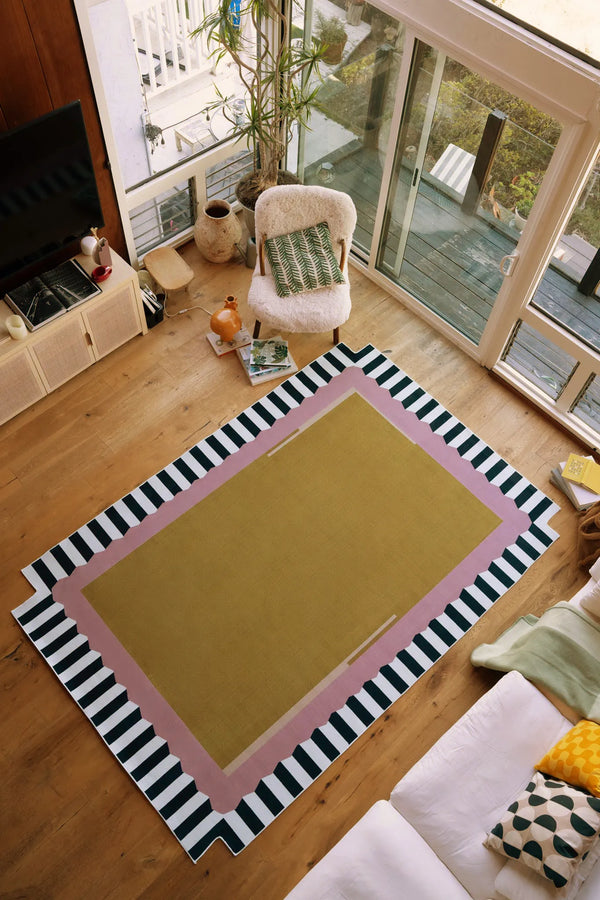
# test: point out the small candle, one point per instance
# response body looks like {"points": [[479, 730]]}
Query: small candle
{"points": [[16, 328]]}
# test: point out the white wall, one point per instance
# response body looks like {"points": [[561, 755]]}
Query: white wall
{"points": [[115, 52]]}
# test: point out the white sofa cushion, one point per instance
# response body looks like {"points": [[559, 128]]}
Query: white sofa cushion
{"points": [[456, 793], [381, 857]]}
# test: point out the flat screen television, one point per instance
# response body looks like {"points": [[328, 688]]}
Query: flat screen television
{"points": [[48, 194]]}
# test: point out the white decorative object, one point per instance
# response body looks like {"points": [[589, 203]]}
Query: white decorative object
{"points": [[88, 245], [16, 328]]}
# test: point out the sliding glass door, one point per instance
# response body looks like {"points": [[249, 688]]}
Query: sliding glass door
{"points": [[467, 168]]}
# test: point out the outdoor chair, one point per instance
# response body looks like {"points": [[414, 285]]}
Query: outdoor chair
{"points": [[300, 282]]}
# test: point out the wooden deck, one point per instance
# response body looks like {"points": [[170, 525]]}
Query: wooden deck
{"points": [[452, 260]]}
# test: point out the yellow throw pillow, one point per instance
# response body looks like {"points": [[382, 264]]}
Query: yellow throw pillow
{"points": [[576, 757]]}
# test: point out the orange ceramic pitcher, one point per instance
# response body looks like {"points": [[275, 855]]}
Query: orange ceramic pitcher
{"points": [[226, 322]]}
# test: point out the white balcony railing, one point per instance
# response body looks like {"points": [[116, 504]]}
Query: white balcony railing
{"points": [[161, 33]]}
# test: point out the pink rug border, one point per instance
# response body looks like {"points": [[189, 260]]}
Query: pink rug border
{"points": [[224, 791]]}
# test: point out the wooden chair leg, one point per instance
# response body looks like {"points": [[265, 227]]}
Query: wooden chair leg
{"points": [[256, 329], [336, 335]]}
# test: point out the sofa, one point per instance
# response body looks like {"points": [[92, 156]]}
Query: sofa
{"points": [[426, 842]]}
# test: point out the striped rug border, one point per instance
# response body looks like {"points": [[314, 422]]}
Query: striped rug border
{"points": [[132, 739]]}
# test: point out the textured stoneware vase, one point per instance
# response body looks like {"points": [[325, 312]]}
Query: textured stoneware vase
{"points": [[217, 231], [226, 322]]}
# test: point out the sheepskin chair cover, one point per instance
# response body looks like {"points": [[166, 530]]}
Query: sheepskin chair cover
{"points": [[287, 208]]}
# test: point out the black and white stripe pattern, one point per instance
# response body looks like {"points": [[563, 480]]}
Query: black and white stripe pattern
{"points": [[159, 774]]}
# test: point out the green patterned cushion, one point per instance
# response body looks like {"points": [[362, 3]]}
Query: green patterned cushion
{"points": [[303, 260], [549, 828]]}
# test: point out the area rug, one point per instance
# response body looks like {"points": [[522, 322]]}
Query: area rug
{"points": [[233, 624]]}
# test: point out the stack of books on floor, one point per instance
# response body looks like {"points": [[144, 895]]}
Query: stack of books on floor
{"points": [[577, 478], [222, 347], [265, 360], [153, 306]]}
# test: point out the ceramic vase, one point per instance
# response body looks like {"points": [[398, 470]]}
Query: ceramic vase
{"points": [[226, 322], [217, 231]]}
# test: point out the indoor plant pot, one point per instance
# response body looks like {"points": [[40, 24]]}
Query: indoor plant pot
{"points": [[217, 231], [331, 37], [278, 92], [248, 191]]}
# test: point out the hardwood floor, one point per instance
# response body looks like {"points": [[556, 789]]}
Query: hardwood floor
{"points": [[73, 824]]}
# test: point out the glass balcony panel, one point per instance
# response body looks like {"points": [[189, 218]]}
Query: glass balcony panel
{"points": [[162, 218], [539, 360], [468, 155], [587, 407]]}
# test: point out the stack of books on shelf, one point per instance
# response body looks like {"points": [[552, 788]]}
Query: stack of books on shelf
{"points": [[265, 360], [579, 479]]}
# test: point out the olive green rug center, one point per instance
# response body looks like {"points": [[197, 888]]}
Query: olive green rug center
{"points": [[244, 604]]}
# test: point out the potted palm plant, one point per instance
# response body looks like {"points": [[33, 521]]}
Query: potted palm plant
{"points": [[275, 74]]}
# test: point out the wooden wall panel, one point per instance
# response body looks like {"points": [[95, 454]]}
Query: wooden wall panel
{"points": [[43, 67], [24, 94]]}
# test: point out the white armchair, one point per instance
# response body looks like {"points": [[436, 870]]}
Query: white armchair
{"points": [[281, 211]]}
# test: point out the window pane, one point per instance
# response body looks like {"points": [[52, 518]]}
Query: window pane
{"points": [[346, 144], [571, 23], [160, 83], [539, 360], [162, 218], [468, 154], [563, 294]]}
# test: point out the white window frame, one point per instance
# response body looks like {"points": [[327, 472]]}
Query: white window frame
{"points": [[560, 85]]}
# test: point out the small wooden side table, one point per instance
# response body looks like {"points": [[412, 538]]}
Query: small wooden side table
{"points": [[168, 269]]}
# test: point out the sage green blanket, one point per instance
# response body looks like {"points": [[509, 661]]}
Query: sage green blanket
{"points": [[560, 650]]}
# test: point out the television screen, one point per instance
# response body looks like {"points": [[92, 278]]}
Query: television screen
{"points": [[48, 194]]}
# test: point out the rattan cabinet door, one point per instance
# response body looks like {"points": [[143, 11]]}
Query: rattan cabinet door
{"points": [[113, 320], [63, 352], [20, 385]]}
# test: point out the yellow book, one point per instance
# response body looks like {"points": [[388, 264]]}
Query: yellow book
{"points": [[583, 471]]}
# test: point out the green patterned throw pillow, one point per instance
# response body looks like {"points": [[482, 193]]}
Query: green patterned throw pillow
{"points": [[549, 828], [303, 260]]}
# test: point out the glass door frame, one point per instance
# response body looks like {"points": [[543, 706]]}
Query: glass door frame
{"points": [[420, 155], [538, 68]]}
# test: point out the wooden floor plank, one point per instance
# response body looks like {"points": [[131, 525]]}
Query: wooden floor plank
{"points": [[72, 821]]}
